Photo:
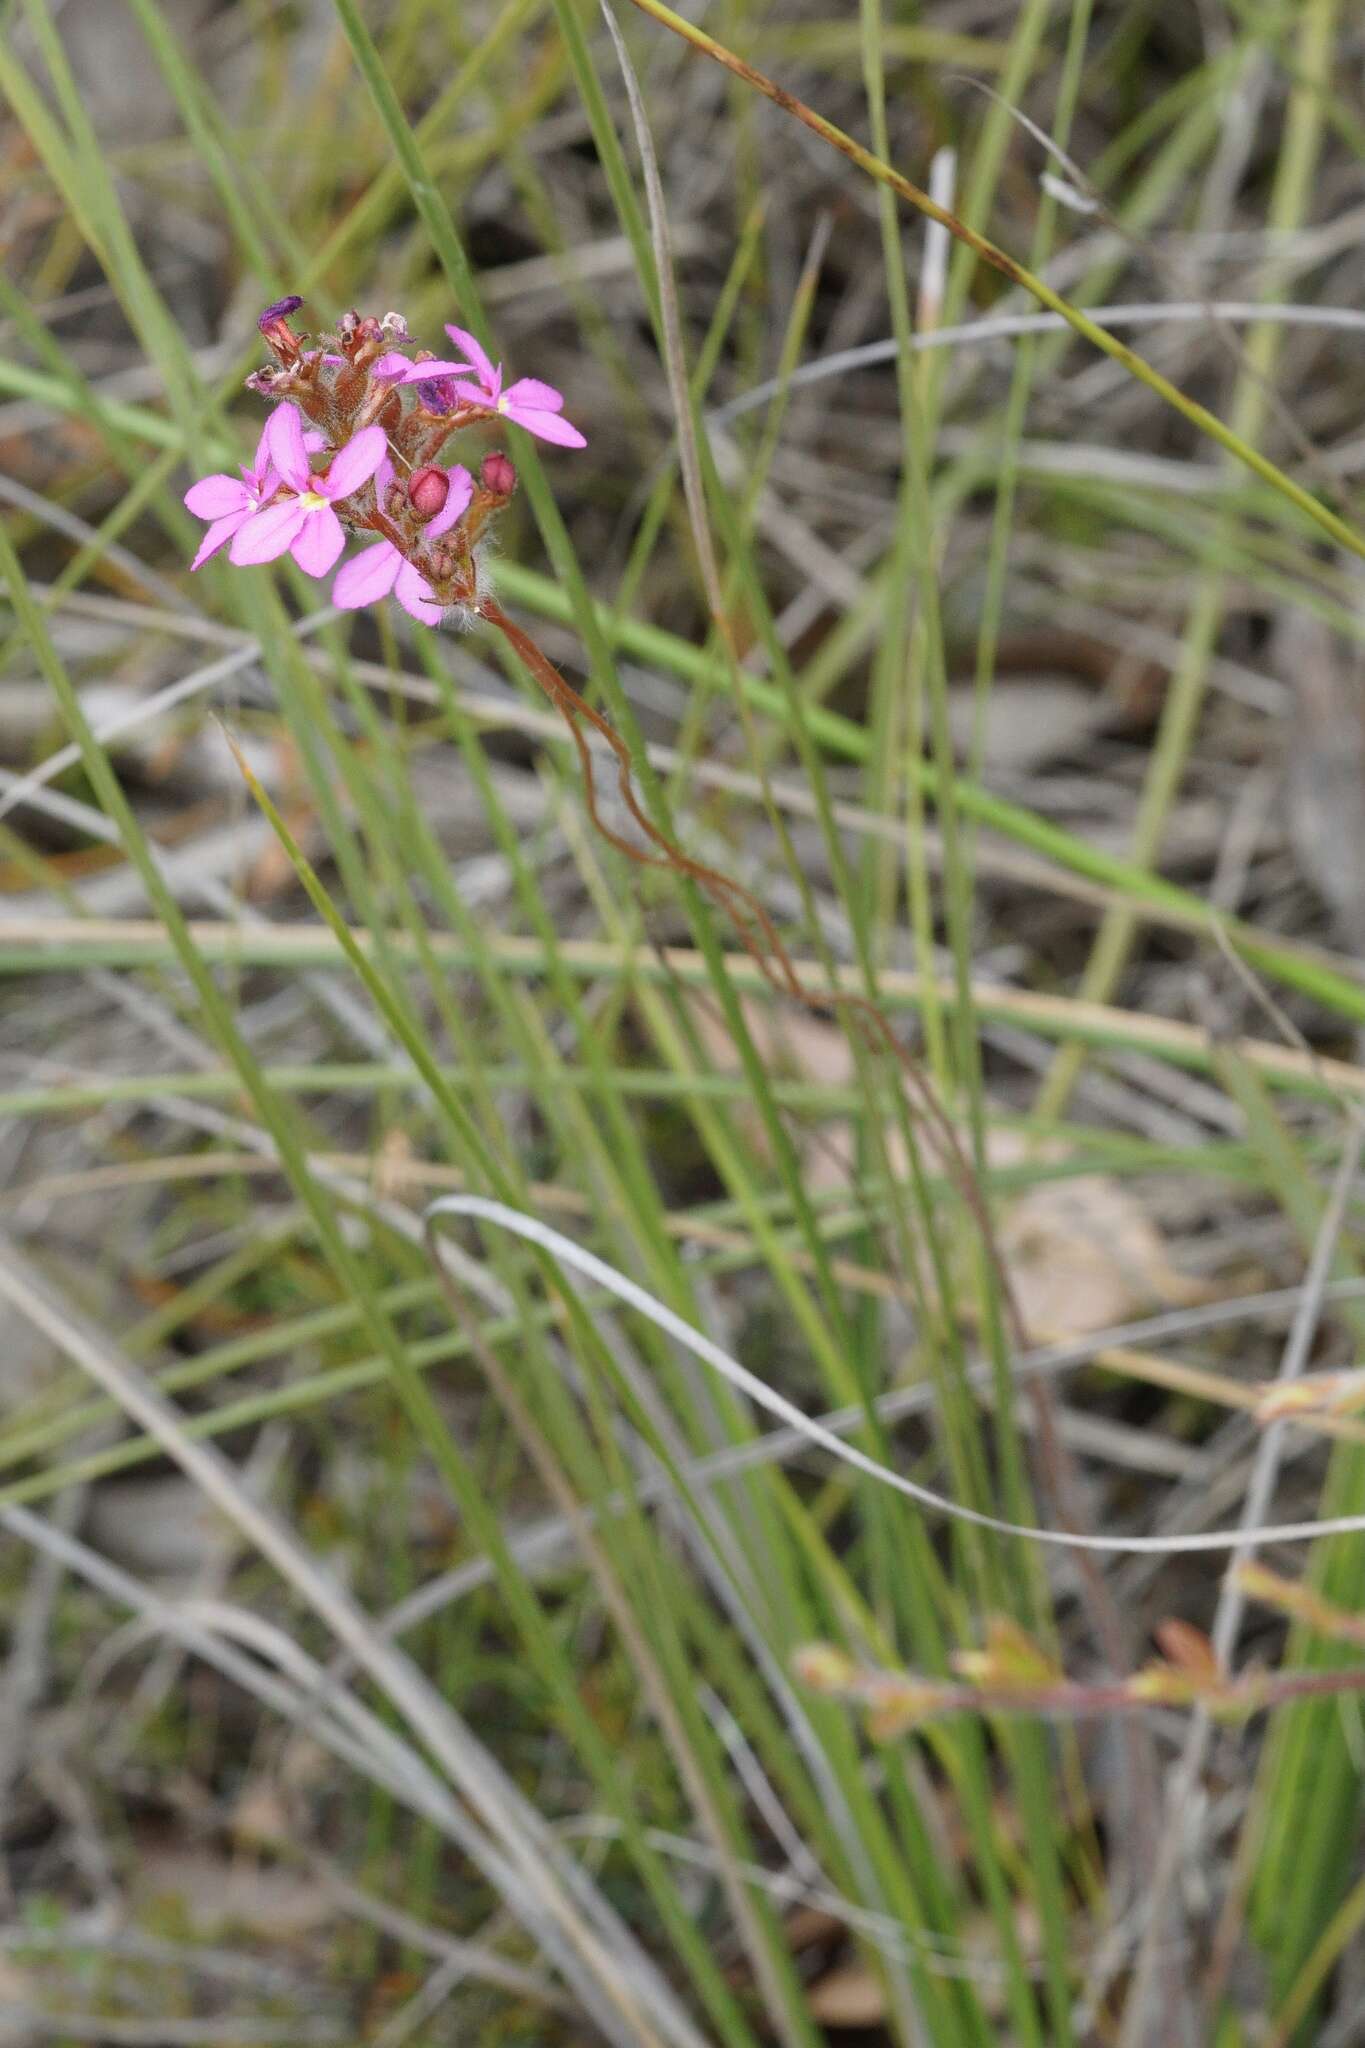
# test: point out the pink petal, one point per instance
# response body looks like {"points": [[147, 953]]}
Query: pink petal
{"points": [[475, 394], [267, 534], [367, 577], [313, 439], [415, 597], [355, 464], [457, 501], [530, 391], [479, 358], [284, 443], [318, 541], [424, 373], [546, 426], [213, 497], [437, 367], [389, 367], [218, 536], [384, 476], [260, 461]]}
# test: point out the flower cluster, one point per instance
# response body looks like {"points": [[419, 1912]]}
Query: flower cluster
{"points": [[380, 414]]}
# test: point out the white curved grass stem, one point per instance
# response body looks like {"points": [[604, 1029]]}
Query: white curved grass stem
{"points": [[1009, 326], [633, 1296]]}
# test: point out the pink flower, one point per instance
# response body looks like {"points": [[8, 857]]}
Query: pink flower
{"points": [[528, 402], [396, 369], [434, 379], [303, 522], [229, 501], [368, 578]]}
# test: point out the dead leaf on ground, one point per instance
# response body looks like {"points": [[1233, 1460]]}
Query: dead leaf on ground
{"points": [[1029, 721], [219, 1896], [1325, 765], [849, 1995], [1083, 1254], [161, 1527]]}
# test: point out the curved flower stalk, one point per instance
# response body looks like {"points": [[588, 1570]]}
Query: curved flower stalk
{"points": [[382, 412]]}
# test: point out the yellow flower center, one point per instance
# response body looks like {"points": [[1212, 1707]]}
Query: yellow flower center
{"points": [[311, 501]]}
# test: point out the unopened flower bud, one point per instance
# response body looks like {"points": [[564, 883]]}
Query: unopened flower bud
{"points": [[497, 474], [274, 325], [822, 1666], [428, 489]]}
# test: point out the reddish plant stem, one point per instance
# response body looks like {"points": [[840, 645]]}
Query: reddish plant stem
{"points": [[1068, 1699], [773, 961], [745, 911]]}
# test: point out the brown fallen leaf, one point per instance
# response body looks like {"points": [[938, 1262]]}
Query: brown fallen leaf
{"points": [[1325, 765], [1083, 1254], [218, 1895], [162, 1526], [849, 1996]]}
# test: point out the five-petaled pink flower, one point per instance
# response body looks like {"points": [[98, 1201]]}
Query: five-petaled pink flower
{"points": [[229, 501], [303, 522], [369, 577], [528, 402]]}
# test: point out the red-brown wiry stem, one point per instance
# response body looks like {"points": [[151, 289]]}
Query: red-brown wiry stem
{"points": [[745, 911], [901, 1703], [770, 956]]}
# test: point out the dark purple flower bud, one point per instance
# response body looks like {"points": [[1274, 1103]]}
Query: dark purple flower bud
{"points": [[281, 310], [438, 394], [497, 475], [428, 489], [274, 325]]}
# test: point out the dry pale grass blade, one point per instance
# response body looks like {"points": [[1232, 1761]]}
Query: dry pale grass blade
{"points": [[504, 1837], [817, 1433], [135, 941], [1014, 326], [197, 683], [375, 1753]]}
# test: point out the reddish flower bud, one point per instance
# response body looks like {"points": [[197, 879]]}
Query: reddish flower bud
{"points": [[274, 325], [281, 310], [497, 474], [428, 489]]}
